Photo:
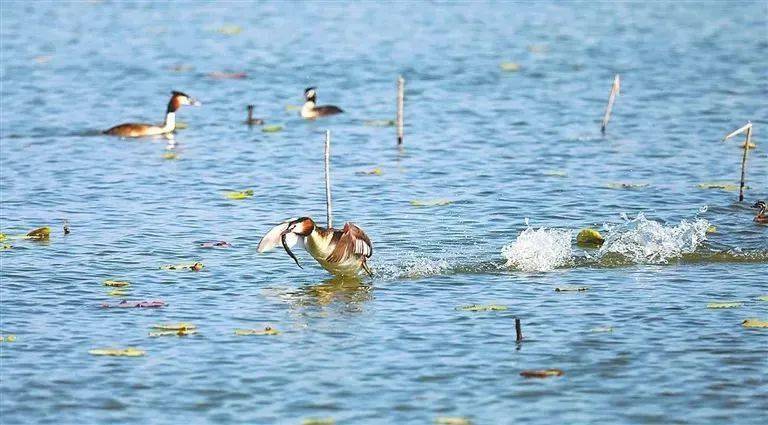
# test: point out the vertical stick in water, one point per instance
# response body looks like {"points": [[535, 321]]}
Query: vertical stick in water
{"points": [[611, 98], [328, 205], [400, 101], [518, 330], [744, 163], [748, 129]]}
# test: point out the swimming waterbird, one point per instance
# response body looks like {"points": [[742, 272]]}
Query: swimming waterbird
{"points": [[762, 212], [251, 120], [310, 110], [139, 130]]}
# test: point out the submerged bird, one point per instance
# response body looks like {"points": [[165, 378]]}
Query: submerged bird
{"points": [[251, 120], [310, 110], [138, 130], [341, 252], [762, 213]]}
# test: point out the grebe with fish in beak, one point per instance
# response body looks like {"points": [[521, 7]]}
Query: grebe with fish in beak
{"points": [[342, 252]]}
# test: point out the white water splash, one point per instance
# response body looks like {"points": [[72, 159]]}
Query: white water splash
{"points": [[539, 250], [646, 241]]}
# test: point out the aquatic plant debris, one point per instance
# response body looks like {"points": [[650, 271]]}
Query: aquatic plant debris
{"points": [[216, 244], [589, 238], [318, 421], [174, 326], [543, 373], [40, 233], [763, 298], [117, 293], [117, 352], [509, 66], [220, 75], [272, 128], [239, 195], [6, 246], [724, 305], [374, 172], [229, 29], [8, 338], [116, 283], [479, 307], [452, 420], [136, 304], [571, 289], [539, 250], [170, 155], [626, 185], [555, 173], [431, 203], [380, 123], [266, 331], [195, 267], [729, 187], [179, 332], [602, 329], [755, 323]]}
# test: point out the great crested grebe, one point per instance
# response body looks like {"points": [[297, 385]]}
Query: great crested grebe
{"points": [[762, 210], [251, 120], [138, 130], [341, 252], [310, 110]]}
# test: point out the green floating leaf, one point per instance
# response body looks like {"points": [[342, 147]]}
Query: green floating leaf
{"points": [[452, 420], [510, 66], [181, 125], [8, 338], [724, 305], [556, 173], [170, 156], [239, 195], [174, 326], [479, 307], [602, 329], [763, 298], [2, 237], [292, 107], [272, 128], [6, 246], [543, 373], [116, 283], [229, 30], [712, 229], [431, 203], [380, 123], [117, 293], [374, 172], [626, 185], [195, 267], [266, 331], [729, 187], [589, 238], [755, 323], [180, 332], [40, 234], [571, 288], [119, 352], [318, 421]]}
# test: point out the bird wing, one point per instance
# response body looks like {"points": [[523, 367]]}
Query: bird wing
{"points": [[352, 241], [273, 238]]}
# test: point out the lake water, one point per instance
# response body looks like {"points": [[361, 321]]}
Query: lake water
{"points": [[507, 148]]}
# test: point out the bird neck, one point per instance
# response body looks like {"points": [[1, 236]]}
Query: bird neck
{"points": [[170, 121]]}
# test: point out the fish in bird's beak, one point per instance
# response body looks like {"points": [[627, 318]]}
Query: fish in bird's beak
{"points": [[283, 237], [195, 102]]}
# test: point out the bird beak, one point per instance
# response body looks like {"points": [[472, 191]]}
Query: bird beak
{"points": [[195, 102], [288, 250]]}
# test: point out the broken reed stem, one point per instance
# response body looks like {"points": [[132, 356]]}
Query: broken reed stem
{"points": [[400, 101], [744, 163], [611, 98], [748, 129], [518, 330], [328, 205]]}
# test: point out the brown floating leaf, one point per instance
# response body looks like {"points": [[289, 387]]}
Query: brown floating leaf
{"points": [[41, 233], [755, 323], [136, 304], [543, 373], [218, 75], [216, 244], [195, 267]]}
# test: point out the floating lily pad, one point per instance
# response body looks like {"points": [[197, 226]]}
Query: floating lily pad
{"points": [[755, 323], [8, 338], [272, 128], [216, 244], [763, 298], [40, 234], [543, 373], [229, 29], [452, 420], [724, 305], [712, 229], [180, 332], [374, 172], [120, 352], [239, 195], [626, 185], [380, 123], [136, 304], [729, 187], [510, 66], [170, 155], [117, 293], [589, 238], [571, 289], [266, 331], [116, 283], [174, 326], [2, 237], [602, 329], [5, 246], [318, 421], [479, 307], [195, 267], [431, 203]]}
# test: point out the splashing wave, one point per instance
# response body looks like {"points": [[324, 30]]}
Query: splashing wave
{"points": [[539, 250]]}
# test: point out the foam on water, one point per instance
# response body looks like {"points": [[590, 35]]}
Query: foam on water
{"points": [[646, 241], [539, 250]]}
